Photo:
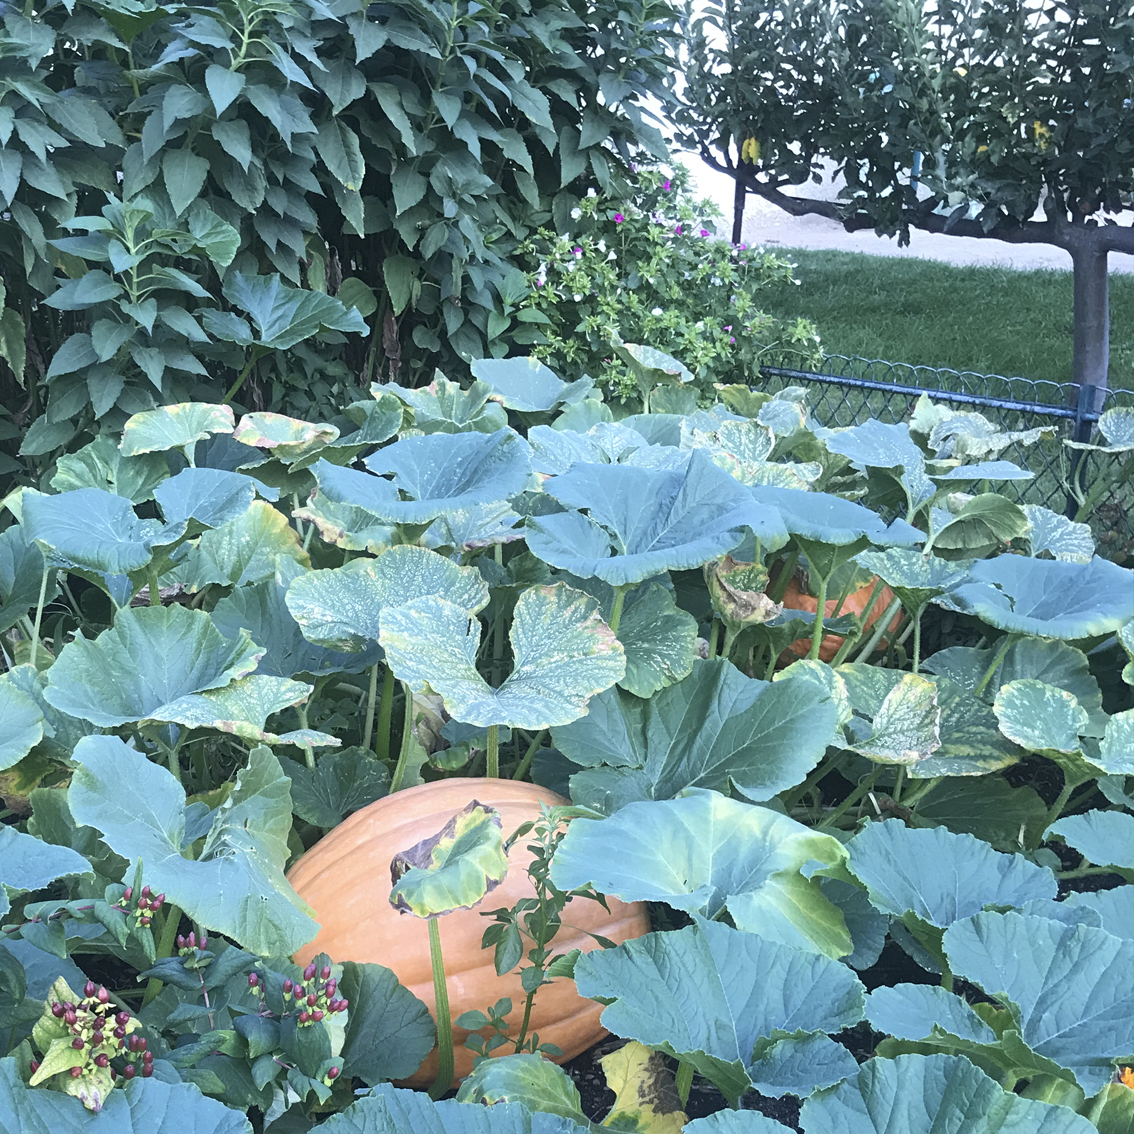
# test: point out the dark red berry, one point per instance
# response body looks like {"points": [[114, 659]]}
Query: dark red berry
{"points": [[204, 939], [157, 903], [78, 1044], [325, 971], [102, 1061], [70, 1016], [147, 1057], [76, 1072], [300, 992], [180, 941], [128, 1071], [343, 1004], [89, 988], [122, 1018], [253, 979], [309, 972], [34, 1066], [304, 1016], [333, 1072], [145, 891], [120, 1032], [192, 939], [287, 986], [312, 1000], [128, 893], [147, 1070], [143, 903], [103, 995], [317, 1015], [57, 1009]]}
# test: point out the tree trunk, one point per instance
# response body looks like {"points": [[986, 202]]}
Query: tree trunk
{"points": [[739, 193], [1092, 329]]}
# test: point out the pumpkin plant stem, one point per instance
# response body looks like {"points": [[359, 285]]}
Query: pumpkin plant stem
{"points": [[164, 949], [683, 1080], [403, 754], [856, 634], [1004, 647], [493, 767], [820, 611], [39, 614], [155, 590], [616, 609], [529, 756], [787, 570], [385, 716], [863, 788], [444, 1026], [879, 630], [714, 633], [371, 699]]}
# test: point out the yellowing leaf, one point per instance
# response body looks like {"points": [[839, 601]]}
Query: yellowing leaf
{"points": [[644, 1092]]}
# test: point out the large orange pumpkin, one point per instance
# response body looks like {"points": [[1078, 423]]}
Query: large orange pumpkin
{"points": [[345, 878], [798, 599]]}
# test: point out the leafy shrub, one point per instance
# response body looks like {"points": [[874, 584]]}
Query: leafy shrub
{"points": [[178, 184], [211, 627], [644, 266]]}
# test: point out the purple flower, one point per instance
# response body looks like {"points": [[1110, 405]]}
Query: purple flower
{"points": [[618, 218], [677, 230], [732, 340], [729, 327], [704, 232], [578, 253], [665, 185]]}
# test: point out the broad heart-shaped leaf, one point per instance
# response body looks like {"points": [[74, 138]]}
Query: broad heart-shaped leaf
{"points": [[262, 611], [149, 658], [874, 444], [101, 464], [641, 521], [715, 729], [28, 863], [985, 470], [286, 315], [926, 1093], [90, 529], [1116, 753], [660, 640], [938, 876], [443, 407], [913, 1011], [243, 707], [236, 886], [555, 450], [906, 728], [1105, 838], [1114, 907], [21, 573], [525, 384], [247, 549], [481, 525], [708, 993], [704, 853], [21, 723], [387, 1110], [286, 438], [441, 473], [339, 784], [913, 577], [1039, 717], [529, 1080], [1117, 428], [389, 1031], [563, 655], [341, 608], [1070, 984], [211, 497], [830, 519], [174, 427], [1048, 598], [144, 1106], [454, 869], [1056, 534]]}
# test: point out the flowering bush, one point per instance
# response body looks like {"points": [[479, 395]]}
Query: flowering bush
{"points": [[653, 271]]}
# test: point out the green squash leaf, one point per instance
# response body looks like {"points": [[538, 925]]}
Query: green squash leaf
{"points": [[906, 727], [529, 1080], [341, 608], [1116, 753], [1039, 717], [174, 427], [21, 574], [705, 854], [150, 657], [1105, 838], [454, 869], [938, 876], [286, 438], [563, 655], [443, 407], [525, 384], [709, 993], [932, 1092], [101, 464], [285, 316], [236, 886], [660, 640], [339, 784], [21, 723], [28, 863]]}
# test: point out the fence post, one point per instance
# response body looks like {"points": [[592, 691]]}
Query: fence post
{"points": [[1086, 413], [738, 194]]}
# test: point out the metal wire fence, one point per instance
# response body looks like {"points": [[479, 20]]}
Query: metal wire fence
{"points": [[850, 390]]}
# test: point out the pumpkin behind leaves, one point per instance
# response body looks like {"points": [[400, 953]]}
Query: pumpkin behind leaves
{"points": [[345, 878]]}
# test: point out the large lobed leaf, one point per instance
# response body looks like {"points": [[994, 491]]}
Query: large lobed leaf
{"points": [[236, 886]]}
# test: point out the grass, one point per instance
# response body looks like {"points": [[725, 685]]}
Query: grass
{"points": [[990, 320]]}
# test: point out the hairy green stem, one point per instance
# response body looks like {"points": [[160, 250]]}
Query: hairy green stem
{"points": [[825, 768], [371, 704], [155, 590], [879, 630], [683, 1081], [917, 637], [859, 792], [385, 717], [1005, 645], [714, 634], [919, 793], [820, 611], [529, 756], [493, 757], [39, 614], [616, 609], [407, 735], [444, 1025]]}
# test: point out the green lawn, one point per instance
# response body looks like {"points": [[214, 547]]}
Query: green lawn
{"points": [[991, 320]]}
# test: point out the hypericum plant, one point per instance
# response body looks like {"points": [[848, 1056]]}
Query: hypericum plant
{"points": [[647, 267]]}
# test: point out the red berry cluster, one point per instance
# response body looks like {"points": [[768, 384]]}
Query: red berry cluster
{"points": [[187, 945], [102, 1033], [313, 999], [144, 909]]}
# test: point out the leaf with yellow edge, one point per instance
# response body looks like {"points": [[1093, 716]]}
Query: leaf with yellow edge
{"points": [[287, 438], [645, 1097], [174, 427]]}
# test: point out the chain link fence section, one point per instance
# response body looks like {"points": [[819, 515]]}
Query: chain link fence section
{"points": [[849, 390]]}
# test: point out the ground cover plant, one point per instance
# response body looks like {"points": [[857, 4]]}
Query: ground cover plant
{"points": [[225, 636]]}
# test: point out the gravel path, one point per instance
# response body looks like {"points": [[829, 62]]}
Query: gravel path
{"points": [[770, 227]]}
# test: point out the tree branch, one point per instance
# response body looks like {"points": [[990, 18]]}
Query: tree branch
{"points": [[1058, 232]]}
